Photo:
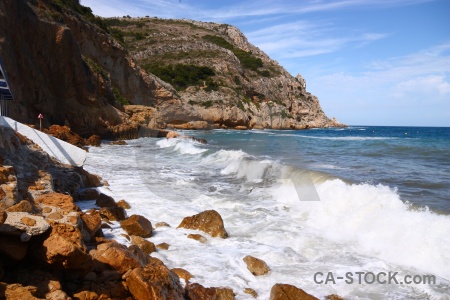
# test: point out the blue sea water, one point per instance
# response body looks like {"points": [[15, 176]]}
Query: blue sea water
{"points": [[356, 199], [414, 160]]}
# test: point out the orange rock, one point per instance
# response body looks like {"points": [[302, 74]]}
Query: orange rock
{"points": [[64, 202], [3, 216], [116, 256], [251, 292], [124, 204], [256, 266], [199, 292], [163, 246], [137, 225], [94, 140], [113, 213], [289, 292], [28, 221], [91, 223], [22, 206], [154, 281], [146, 246], [208, 221], [198, 237], [18, 292], [182, 273]]}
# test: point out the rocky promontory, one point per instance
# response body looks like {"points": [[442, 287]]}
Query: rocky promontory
{"points": [[109, 77]]}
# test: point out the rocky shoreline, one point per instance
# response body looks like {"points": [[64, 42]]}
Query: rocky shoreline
{"points": [[51, 249]]}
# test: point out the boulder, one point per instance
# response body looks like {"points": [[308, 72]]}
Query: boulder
{"points": [[137, 225], [142, 257], [62, 201], [256, 266], [154, 281], [104, 200], [196, 291], [251, 292], [113, 213], [161, 224], [91, 224], [208, 221], [22, 206], [289, 292], [163, 246], [334, 297], [115, 256], [88, 194], [14, 225], [64, 249], [94, 140], [146, 246], [57, 295]]}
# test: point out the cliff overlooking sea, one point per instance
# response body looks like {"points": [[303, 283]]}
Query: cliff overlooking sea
{"points": [[111, 76]]}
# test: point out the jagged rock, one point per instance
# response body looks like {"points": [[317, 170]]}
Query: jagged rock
{"points": [[208, 221], [104, 200], [154, 281], [66, 134], [113, 213], [182, 273], [64, 202], [198, 237], [289, 292], [124, 204], [57, 295], [256, 266], [146, 246], [198, 292], [64, 249], [91, 224], [115, 256], [251, 292], [142, 257], [137, 225]]}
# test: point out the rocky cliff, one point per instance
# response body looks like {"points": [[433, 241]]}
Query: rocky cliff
{"points": [[81, 70]]}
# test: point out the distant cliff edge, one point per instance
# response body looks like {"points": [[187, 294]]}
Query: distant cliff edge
{"points": [[111, 76]]}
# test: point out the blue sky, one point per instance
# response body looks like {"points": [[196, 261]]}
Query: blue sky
{"points": [[370, 62]]}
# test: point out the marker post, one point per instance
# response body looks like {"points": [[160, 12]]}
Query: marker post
{"points": [[40, 117]]}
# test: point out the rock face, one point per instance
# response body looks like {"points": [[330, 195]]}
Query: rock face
{"points": [[256, 266], [62, 63], [289, 292], [208, 221]]}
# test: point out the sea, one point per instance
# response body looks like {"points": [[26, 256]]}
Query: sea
{"points": [[362, 212]]}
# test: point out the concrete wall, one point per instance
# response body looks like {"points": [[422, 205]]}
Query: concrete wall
{"points": [[64, 152]]}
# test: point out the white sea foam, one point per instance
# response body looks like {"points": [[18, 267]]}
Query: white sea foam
{"points": [[268, 212]]}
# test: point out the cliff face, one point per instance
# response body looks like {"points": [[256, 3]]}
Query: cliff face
{"points": [[75, 73]]}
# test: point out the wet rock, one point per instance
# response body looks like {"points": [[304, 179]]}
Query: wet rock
{"points": [[146, 246], [113, 213], [199, 292], [124, 204], [256, 266], [154, 281], [104, 200], [334, 297], [88, 194], [172, 135], [182, 273], [163, 246], [137, 225], [161, 224], [94, 140], [119, 142], [208, 221], [251, 292], [198, 237], [289, 292], [115, 256]]}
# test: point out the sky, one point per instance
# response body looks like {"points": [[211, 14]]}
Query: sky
{"points": [[370, 62]]}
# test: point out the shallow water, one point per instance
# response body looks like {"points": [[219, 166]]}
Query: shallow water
{"points": [[370, 199]]}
